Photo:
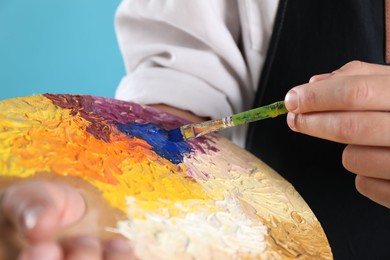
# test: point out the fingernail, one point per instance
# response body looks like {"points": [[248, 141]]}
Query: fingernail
{"points": [[291, 120], [118, 245], [31, 215], [291, 100]]}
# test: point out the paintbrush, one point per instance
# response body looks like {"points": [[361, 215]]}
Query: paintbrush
{"points": [[198, 129]]}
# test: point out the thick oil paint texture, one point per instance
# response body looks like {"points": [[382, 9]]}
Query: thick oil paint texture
{"points": [[38, 136], [200, 198], [158, 139]]}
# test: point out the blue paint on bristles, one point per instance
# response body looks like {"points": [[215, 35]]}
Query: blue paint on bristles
{"points": [[175, 135]]}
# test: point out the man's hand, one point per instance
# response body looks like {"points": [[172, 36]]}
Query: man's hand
{"points": [[33, 212], [351, 106]]}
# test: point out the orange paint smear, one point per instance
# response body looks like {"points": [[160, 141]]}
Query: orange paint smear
{"points": [[60, 146], [50, 139]]}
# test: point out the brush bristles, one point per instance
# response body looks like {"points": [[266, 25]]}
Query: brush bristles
{"points": [[175, 135]]}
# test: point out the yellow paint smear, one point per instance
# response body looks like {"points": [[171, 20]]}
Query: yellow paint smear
{"points": [[37, 136]]}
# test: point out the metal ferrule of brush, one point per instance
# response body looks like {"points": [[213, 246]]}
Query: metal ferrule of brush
{"points": [[228, 121], [196, 130]]}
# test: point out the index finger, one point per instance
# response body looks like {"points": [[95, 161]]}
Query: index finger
{"points": [[343, 93]]}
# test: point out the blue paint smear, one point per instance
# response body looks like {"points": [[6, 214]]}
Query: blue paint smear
{"points": [[158, 138]]}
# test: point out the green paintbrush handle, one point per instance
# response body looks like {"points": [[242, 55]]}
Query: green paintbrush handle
{"points": [[195, 130], [271, 110]]}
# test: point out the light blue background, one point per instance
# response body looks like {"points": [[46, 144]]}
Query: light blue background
{"points": [[58, 46]]}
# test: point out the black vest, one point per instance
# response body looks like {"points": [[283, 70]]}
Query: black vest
{"points": [[312, 37]]}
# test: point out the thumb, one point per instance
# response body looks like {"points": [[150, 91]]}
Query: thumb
{"points": [[39, 208]]}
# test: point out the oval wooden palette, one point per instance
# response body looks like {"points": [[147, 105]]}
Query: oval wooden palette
{"points": [[204, 198]]}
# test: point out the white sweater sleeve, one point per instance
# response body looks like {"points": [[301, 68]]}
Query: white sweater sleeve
{"points": [[184, 54]]}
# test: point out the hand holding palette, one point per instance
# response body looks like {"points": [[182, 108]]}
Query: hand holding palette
{"points": [[202, 198]]}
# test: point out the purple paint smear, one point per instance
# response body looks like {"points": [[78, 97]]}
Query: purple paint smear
{"points": [[138, 121]]}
